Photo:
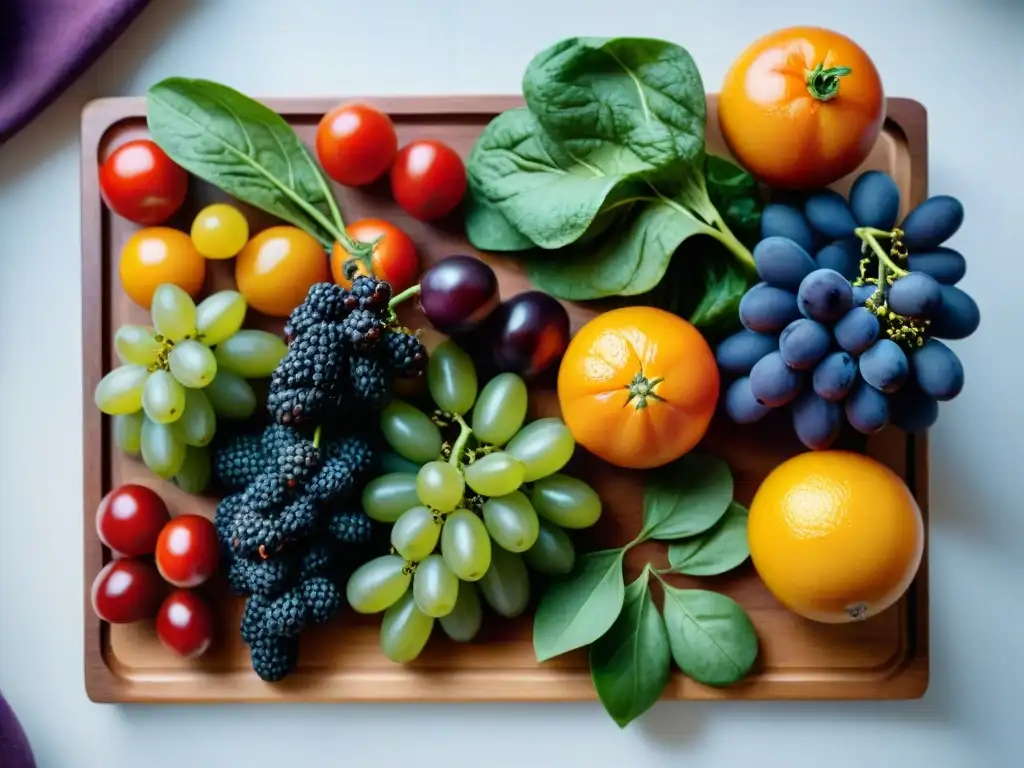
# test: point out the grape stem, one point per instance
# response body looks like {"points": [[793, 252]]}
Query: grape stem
{"points": [[460, 443], [406, 294], [870, 236], [316, 436]]}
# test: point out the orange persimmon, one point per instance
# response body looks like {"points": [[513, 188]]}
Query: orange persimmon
{"points": [[638, 387]]}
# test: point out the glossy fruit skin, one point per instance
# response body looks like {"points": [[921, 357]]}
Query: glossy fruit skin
{"points": [[126, 590], [458, 293], [139, 182], [276, 268], [187, 551], [529, 332], [219, 231], [428, 179], [129, 519], [602, 364], [836, 536], [394, 257], [185, 624], [778, 130], [356, 144], [156, 255]]}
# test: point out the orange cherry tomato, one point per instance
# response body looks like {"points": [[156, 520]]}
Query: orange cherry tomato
{"points": [[156, 255], [276, 268], [801, 107], [638, 387], [394, 257], [356, 144]]}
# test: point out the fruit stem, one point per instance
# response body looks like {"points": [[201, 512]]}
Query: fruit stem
{"points": [[460, 443], [823, 84], [870, 236], [316, 436], [406, 294], [641, 389]]}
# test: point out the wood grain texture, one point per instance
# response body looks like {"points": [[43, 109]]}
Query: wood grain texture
{"points": [[883, 658]]}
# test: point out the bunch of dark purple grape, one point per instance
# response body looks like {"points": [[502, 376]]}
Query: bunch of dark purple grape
{"points": [[852, 333]]}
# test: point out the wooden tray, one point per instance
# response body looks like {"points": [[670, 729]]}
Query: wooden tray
{"points": [[885, 657]]}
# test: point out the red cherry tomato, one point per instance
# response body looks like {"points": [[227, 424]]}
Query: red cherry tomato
{"points": [[185, 623], [356, 144], [394, 257], [126, 590], [187, 551], [428, 179], [129, 520], [142, 184]]}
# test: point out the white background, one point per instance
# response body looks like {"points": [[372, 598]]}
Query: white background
{"points": [[964, 59]]}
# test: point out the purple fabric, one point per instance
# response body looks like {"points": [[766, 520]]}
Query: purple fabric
{"points": [[46, 44], [15, 751]]}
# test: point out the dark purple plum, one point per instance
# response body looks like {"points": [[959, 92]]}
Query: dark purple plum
{"points": [[458, 293], [528, 333]]}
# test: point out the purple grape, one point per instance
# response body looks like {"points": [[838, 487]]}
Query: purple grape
{"points": [[828, 213], [843, 256], [782, 262], [825, 296], [957, 317], [875, 200], [774, 383], [944, 264], [738, 353], [861, 294], [803, 343], [884, 366], [816, 421], [915, 295], [932, 223], [528, 333], [937, 370], [458, 293], [767, 309], [857, 330], [740, 404], [867, 409], [912, 410], [834, 376]]}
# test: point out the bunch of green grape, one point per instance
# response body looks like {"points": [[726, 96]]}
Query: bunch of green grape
{"points": [[179, 375], [470, 516]]}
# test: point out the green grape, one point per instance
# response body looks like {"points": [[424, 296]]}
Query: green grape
{"points": [[435, 587], [500, 409], [410, 432], [192, 363], [163, 398], [405, 630], [544, 446], [506, 585], [386, 497], [495, 474], [511, 521], [377, 584], [220, 316], [251, 354], [137, 344], [391, 462], [174, 312], [451, 378], [466, 545], [128, 432], [230, 395], [464, 621], [553, 553], [566, 501], [415, 534], [198, 423], [120, 391], [440, 486], [162, 448], [194, 475]]}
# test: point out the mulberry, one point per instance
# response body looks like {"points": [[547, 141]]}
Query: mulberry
{"points": [[354, 451], [370, 380], [349, 527], [322, 598], [362, 330], [406, 354], [273, 658], [237, 461], [373, 294], [265, 577], [334, 480], [324, 303], [286, 615]]}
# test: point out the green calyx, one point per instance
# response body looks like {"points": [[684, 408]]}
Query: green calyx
{"points": [[823, 84], [641, 390]]}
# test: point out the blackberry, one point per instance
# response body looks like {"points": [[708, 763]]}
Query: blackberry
{"points": [[322, 598], [237, 461], [324, 303], [294, 521], [264, 494], [297, 462], [314, 359], [317, 561], [267, 577], [286, 615], [333, 482], [362, 330], [254, 619], [350, 527], [373, 294], [370, 381], [274, 657], [354, 451], [242, 530], [297, 407], [406, 353]]}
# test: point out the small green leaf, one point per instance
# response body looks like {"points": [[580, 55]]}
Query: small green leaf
{"points": [[715, 551], [686, 497], [712, 639], [577, 610], [630, 662]]}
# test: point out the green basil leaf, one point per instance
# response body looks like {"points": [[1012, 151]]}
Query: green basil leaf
{"points": [[632, 105], [629, 663], [686, 497], [717, 550], [245, 149], [712, 639], [577, 610]]}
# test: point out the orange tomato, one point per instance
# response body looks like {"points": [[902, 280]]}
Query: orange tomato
{"points": [[156, 255], [801, 107], [394, 257], [276, 268], [638, 387]]}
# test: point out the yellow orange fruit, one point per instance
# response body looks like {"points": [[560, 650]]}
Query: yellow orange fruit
{"points": [[156, 255], [835, 536], [276, 268]]}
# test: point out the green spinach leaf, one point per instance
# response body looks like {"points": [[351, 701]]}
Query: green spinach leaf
{"points": [[717, 550], [578, 609], [686, 497], [735, 194], [630, 663], [486, 226], [244, 148], [712, 638]]}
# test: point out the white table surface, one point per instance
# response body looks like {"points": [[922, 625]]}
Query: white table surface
{"points": [[962, 58]]}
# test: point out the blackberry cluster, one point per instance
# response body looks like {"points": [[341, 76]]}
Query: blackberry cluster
{"points": [[291, 513]]}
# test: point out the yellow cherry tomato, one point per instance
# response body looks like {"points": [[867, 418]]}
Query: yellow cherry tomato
{"points": [[156, 255], [219, 231], [276, 268]]}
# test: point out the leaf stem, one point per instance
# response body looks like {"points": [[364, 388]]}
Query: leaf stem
{"points": [[460, 442], [724, 235]]}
